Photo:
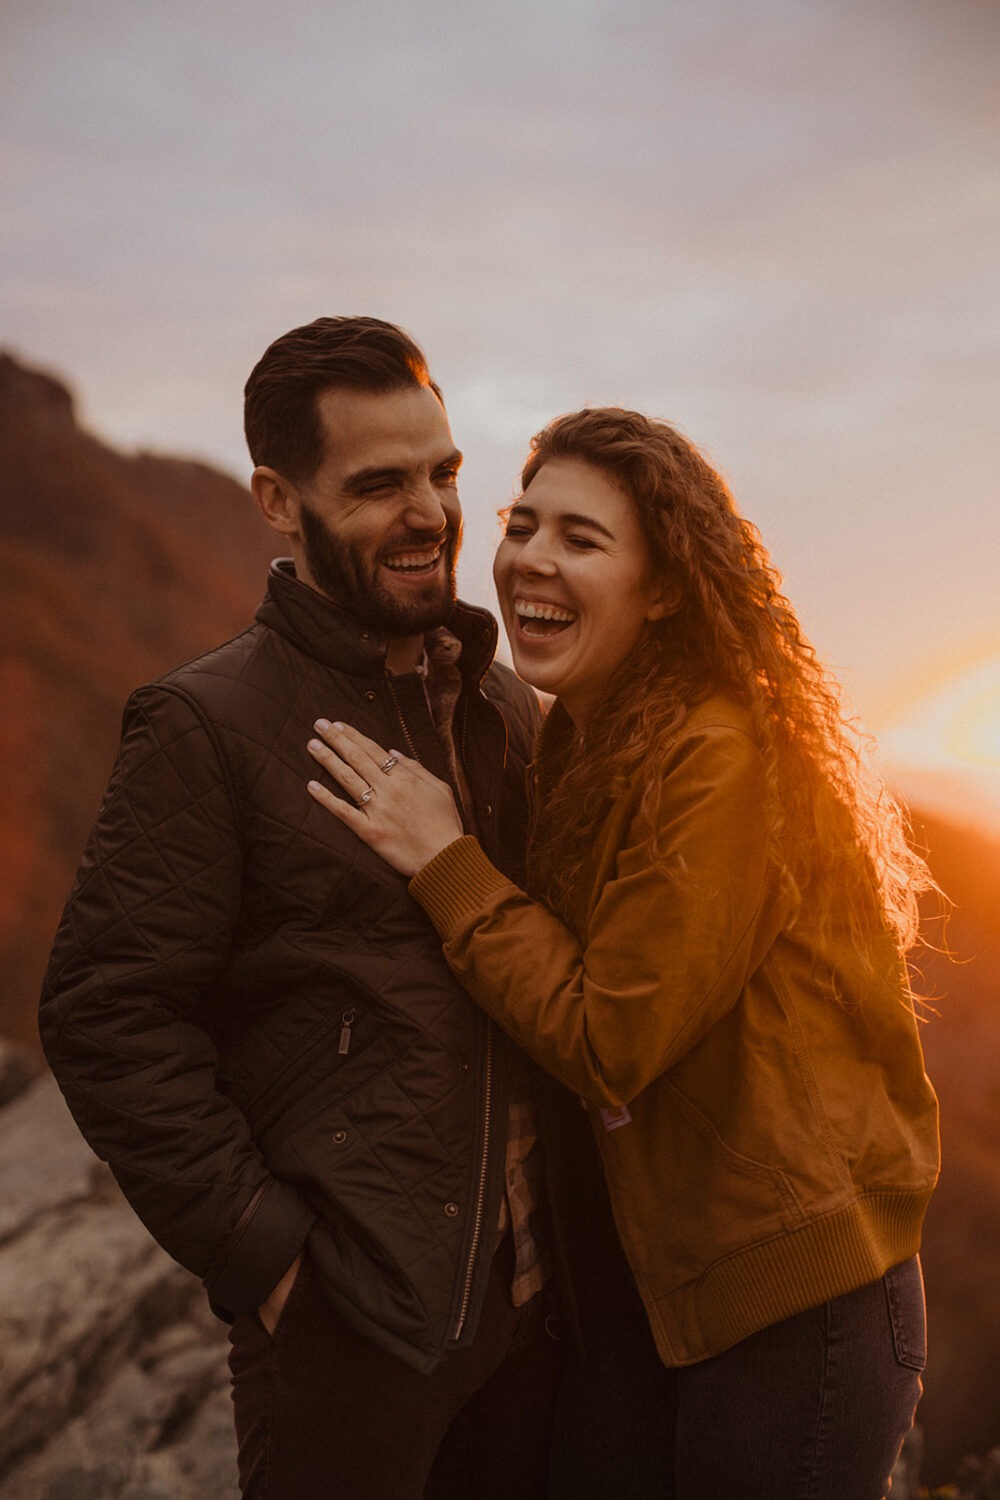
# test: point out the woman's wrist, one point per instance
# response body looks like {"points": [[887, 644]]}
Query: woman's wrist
{"points": [[458, 880]]}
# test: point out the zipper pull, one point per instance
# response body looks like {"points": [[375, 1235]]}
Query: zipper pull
{"points": [[345, 1033]]}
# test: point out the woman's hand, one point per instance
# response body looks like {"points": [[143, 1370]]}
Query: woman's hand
{"points": [[400, 810]]}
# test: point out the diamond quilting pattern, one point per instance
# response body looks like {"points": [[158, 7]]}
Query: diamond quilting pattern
{"points": [[220, 925]]}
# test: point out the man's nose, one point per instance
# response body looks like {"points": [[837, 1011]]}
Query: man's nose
{"points": [[424, 508]]}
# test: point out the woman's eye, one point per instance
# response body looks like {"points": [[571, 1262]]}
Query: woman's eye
{"points": [[514, 530], [581, 543]]}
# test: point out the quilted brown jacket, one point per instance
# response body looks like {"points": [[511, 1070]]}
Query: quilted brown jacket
{"points": [[249, 1016]]}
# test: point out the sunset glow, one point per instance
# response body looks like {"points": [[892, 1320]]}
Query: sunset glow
{"points": [[946, 751], [957, 724]]}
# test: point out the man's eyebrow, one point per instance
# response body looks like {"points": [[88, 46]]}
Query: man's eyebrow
{"points": [[377, 472], [565, 518]]}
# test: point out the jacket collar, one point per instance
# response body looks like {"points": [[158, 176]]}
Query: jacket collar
{"points": [[325, 631], [554, 743]]}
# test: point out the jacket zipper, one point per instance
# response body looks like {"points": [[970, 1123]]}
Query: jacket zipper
{"points": [[477, 1223], [456, 786], [411, 748]]}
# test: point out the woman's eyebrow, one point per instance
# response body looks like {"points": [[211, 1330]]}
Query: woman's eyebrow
{"points": [[565, 518], [570, 518]]}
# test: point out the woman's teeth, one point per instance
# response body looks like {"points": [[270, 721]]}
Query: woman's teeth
{"points": [[542, 619], [543, 612]]}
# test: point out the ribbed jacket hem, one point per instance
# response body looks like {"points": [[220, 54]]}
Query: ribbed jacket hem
{"points": [[456, 882], [784, 1276]]}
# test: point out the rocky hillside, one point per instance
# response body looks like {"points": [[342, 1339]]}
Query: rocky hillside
{"points": [[113, 1376], [115, 568], [961, 1409]]}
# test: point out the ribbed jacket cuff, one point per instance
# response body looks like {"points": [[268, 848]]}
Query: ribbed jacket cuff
{"points": [[455, 882], [260, 1250]]}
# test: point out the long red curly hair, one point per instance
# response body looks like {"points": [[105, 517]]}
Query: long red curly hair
{"points": [[835, 834]]}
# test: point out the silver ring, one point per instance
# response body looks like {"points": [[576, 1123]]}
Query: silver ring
{"points": [[388, 763], [366, 796]]}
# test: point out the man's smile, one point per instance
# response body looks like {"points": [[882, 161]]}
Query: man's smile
{"points": [[414, 559]]}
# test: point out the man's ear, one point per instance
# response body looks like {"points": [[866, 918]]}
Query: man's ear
{"points": [[278, 500], [665, 600]]}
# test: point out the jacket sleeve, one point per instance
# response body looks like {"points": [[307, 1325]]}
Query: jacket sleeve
{"points": [[127, 998], [672, 934]]}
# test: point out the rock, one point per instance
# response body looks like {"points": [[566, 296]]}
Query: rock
{"points": [[18, 1068], [114, 1380]]}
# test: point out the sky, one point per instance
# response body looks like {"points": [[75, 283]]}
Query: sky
{"points": [[774, 223]]}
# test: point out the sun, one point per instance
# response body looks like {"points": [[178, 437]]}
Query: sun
{"points": [[944, 753], [957, 724]]}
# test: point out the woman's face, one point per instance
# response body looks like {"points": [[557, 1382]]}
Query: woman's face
{"points": [[575, 583]]}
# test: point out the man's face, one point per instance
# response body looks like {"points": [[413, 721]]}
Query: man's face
{"points": [[380, 520]]}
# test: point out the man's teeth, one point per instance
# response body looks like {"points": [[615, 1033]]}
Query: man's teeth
{"points": [[403, 560], [543, 612]]}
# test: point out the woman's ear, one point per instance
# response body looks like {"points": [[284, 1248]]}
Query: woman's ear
{"points": [[277, 499], [666, 599]]}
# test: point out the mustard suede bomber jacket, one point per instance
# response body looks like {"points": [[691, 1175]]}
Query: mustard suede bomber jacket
{"points": [[759, 1098]]}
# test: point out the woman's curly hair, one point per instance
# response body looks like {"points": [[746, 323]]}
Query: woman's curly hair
{"points": [[835, 835]]}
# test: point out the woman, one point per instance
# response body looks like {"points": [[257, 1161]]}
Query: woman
{"points": [[709, 953]]}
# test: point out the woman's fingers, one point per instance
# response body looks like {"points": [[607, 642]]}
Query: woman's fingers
{"points": [[361, 754], [397, 807], [354, 782], [353, 816]]}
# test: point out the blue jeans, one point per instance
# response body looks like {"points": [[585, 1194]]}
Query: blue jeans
{"points": [[812, 1408]]}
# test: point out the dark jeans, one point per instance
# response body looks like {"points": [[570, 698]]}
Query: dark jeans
{"points": [[812, 1408], [322, 1414]]}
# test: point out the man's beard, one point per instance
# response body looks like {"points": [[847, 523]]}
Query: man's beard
{"points": [[352, 580]]}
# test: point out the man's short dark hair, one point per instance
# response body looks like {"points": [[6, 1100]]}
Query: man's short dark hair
{"points": [[280, 414]]}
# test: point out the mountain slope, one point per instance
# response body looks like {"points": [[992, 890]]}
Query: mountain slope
{"points": [[115, 568]]}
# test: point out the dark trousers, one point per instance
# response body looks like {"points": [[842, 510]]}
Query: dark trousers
{"points": [[812, 1408], [322, 1414]]}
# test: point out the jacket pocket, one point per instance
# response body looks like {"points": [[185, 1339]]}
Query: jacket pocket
{"points": [[340, 1043], [904, 1291], [736, 1189]]}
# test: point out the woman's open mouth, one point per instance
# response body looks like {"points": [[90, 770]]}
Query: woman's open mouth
{"points": [[538, 621]]}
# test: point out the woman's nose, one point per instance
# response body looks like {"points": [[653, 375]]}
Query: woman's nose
{"points": [[535, 556]]}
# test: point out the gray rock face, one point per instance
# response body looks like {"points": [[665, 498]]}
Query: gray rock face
{"points": [[113, 1375]]}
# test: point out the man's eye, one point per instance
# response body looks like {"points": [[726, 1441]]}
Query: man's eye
{"points": [[513, 529], [582, 543]]}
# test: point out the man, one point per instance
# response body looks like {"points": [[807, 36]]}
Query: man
{"points": [[253, 1022]]}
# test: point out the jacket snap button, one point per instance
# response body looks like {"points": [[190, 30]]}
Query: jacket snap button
{"points": [[488, 810], [371, 696], [451, 1209], [340, 1136], [365, 636]]}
